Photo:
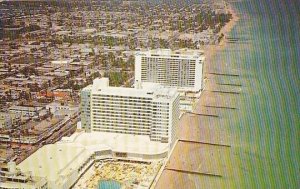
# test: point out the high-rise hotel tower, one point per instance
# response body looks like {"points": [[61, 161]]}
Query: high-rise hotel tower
{"points": [[149, 109], [182, 69]]}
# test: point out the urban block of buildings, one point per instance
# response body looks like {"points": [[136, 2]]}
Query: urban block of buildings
{"points": [[132, 124]]}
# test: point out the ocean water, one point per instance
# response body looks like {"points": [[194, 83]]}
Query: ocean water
{"points": [[265, 130], [109, 184]]}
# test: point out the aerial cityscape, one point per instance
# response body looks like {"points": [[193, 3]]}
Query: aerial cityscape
{"points": [[156, 94]]}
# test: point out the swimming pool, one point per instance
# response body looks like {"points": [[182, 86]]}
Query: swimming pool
{"points": [[109, 184]]}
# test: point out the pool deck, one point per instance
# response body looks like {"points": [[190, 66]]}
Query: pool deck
{"points": [[130, 175]]}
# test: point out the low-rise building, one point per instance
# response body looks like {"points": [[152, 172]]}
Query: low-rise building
{"points": [[64, 162], [26, 111], [56, 106], [7, 120], [12, 177], [63, 63]]}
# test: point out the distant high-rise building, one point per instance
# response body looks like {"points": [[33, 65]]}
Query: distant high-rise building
{"points": [[149, 109], [182, 69]]}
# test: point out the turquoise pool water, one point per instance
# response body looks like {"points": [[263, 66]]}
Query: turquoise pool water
{"points": [[109, 184]]}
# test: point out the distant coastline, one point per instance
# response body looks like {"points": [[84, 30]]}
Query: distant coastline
{"points": [[210, 50]]}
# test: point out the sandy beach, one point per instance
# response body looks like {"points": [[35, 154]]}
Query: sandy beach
{"points": [[196, 157], [211, 50]]}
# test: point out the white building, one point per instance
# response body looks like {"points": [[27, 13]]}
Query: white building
{"points": [[56, 106], [152, 110], [63, 163], [12, 177], [62, 62], [182, 68], [26, 111]]}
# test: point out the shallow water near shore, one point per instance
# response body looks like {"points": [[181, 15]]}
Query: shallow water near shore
{"points": [[266, 125]]}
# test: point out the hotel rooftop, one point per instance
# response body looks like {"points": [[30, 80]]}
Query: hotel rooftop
{"points": [[182, 53], [147, 89]]}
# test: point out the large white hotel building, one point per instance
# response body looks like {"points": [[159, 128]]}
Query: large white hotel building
{"points": [[149, 109], [133, 124], [182, 69]]}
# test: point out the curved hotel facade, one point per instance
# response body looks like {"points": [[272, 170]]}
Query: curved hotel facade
{"points": [[62, 164]]}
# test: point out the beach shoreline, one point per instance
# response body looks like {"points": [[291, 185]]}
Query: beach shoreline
{"points": [[211, 50], [197, 129]]}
